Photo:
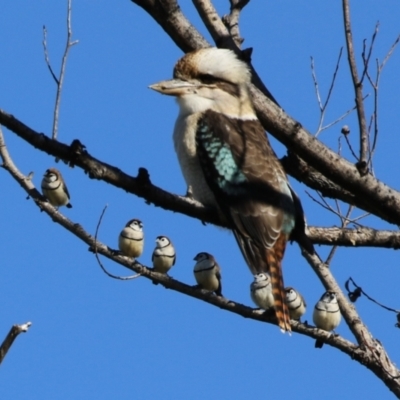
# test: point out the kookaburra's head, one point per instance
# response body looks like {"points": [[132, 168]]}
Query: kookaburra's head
{"points": [[213, 79]]}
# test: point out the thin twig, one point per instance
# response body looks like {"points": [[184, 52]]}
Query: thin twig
{"points": [[345, 222], [333, 79], [343, 116], [46, 55], [60, 80], [11, 336], [375, 86], [350, 147], [390, 52], [324, 204], [368, 57], [316, 86], [323, 107], [369, 297], [122, 278]]}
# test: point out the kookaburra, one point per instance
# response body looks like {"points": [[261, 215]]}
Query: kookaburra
{"points": [[227, 161]]}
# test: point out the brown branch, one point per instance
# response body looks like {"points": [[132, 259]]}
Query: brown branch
{"points": [[379, 362], [384, 200], [163, 279], [11, 336], [359, 353], [362, 164], [214, 24], [231, 21], [142, 187], [300, 170], [169, 16]]}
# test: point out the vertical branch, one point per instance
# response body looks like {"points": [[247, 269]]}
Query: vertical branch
{"points": [[214, 24], [60, 80], [362, 163], [231, 21], [375, 86]]}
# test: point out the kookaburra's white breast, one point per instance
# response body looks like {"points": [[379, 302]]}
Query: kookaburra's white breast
{"points": [[185, 147]]}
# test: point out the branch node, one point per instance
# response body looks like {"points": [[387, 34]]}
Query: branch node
{"points": [[143, 176]]}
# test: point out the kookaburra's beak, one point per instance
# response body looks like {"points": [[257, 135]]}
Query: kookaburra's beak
{"points": [[175, 87]]}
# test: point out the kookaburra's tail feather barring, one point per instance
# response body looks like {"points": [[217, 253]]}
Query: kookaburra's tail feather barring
{"points": [[227, 161]]}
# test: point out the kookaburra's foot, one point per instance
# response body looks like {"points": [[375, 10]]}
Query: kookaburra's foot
{"points": [[189, 192]]}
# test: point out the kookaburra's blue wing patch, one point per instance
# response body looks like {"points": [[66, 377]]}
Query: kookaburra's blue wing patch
{"points": [[232, 154], [218, 161]]}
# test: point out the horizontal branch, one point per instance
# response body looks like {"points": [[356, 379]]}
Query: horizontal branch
{"points": [[163, 279], [359, 353], [382, 199], [141, 186], [77, 155], [357, 237]]}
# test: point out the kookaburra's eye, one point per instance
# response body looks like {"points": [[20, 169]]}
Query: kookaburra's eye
{"points": [[207, 79]]}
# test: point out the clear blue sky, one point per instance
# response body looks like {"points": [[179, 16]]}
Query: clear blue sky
{"points": [[94, 337]]}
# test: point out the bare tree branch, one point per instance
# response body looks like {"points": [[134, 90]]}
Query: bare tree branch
{"points": [[297, 139], [323, 107], [367, 58], [142, 187], [380, 363], [326, 161], [46, 55], [60, 80], [362, 164], [214, 23], [163, 279], [359, 353], [337, 176], [169, 16], [231, 21], [375, 86], [11, 336], [360, 290]]}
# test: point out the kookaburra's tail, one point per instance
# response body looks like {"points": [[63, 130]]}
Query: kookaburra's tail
{"points": [[275, 270]]}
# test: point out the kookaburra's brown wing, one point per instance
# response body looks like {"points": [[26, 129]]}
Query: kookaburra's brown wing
{"points": [[251, 189]]}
